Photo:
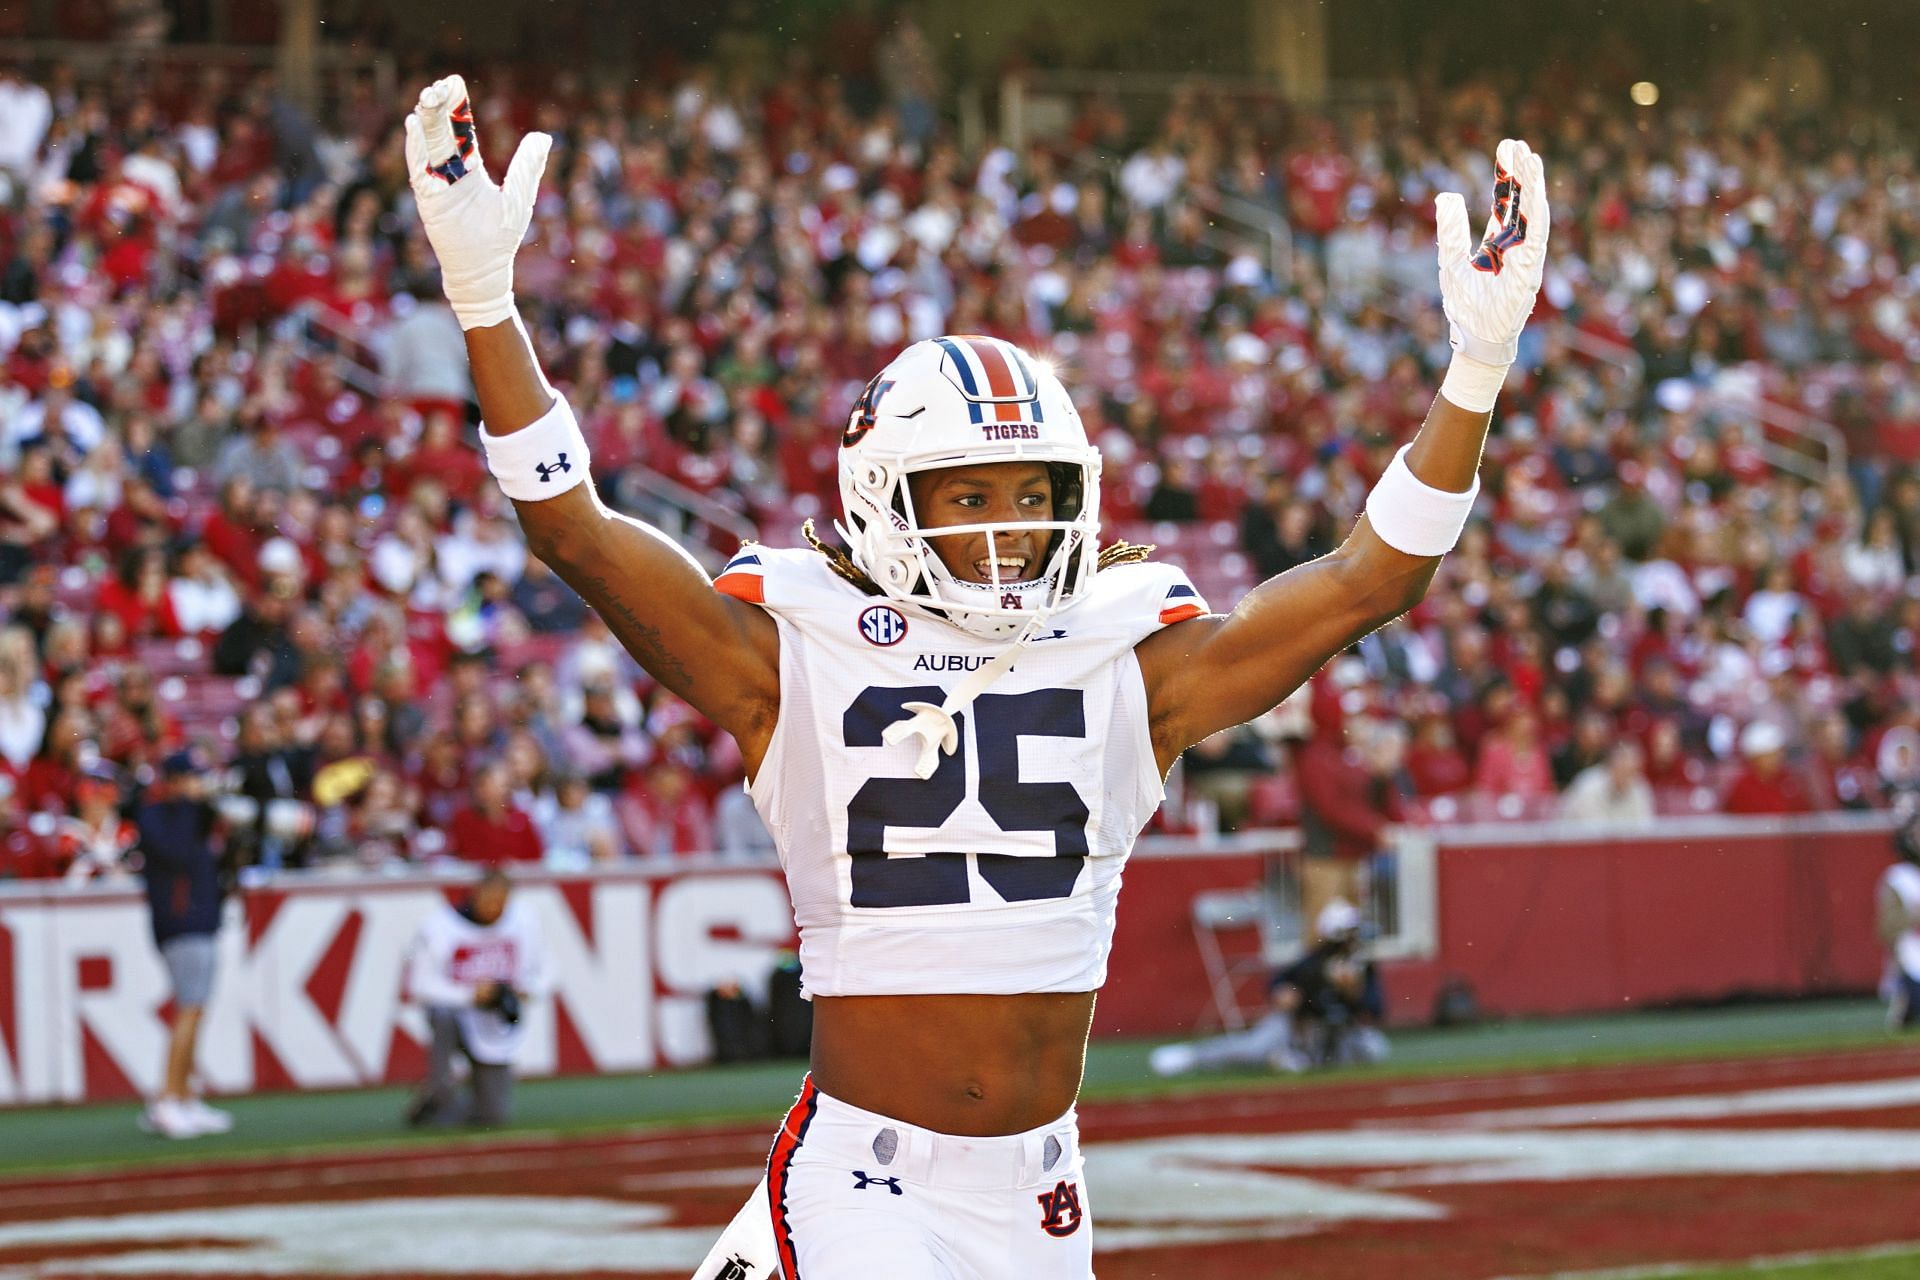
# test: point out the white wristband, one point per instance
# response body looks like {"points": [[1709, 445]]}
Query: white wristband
{"points": [[543, 459], [484, 315], [1472, 384], [1411, 515]]}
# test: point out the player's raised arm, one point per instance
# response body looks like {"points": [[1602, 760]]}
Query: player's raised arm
{"points": [[720, 654], [1208, 673]]}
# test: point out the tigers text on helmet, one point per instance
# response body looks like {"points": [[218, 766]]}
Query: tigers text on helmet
{"points": [[959, 401]]}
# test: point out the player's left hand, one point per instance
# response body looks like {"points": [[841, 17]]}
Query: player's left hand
{"points": [[1489, 289], [474, 224]]}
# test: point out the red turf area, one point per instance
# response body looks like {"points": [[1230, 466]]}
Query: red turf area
{"points": [[1797, 1188]]}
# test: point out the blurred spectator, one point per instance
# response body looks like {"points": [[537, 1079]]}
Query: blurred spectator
{"points": [[95, 842], [1513, 762], [1861, 641], [1841, 777], [1219, 770], [259, 454], [276, 776], [1281, 532], [1877, 562], [1345, 808], [259, 642], [200, 593], [1615, 790], [138, 594], [23, 720], [26, 110], [426, 361], [550, 606], [491, 829], [1434, 762], [1764, 784], [576, 825], [1591, 743], [663, 815], [739, 831]]}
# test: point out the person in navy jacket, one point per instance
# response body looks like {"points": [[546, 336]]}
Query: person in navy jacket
{"points": [[179, 848]]}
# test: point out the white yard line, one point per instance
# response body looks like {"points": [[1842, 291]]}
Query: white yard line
{"points": [[1662, 1271]]}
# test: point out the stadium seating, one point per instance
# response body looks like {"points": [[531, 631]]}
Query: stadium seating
{"points": [[1663, 484]]}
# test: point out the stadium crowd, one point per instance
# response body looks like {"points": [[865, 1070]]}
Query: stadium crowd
{"points": [[241, 509]]}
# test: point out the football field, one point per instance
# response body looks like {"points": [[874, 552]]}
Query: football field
{"points": [[1780, 1141]]}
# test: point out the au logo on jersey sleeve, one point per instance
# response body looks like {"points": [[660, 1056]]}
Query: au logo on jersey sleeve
{"points": [[883, 625]]}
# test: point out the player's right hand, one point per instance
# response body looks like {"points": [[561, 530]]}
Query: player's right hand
{"points": [[474, 224], [1489, 289]]}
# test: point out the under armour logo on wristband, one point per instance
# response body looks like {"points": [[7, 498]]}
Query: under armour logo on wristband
{"points": [[863, 1182], [549, 470]]}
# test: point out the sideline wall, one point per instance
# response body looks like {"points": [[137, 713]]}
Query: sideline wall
{"points": [[1540, 921]]}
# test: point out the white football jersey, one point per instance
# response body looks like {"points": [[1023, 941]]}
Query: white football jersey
{"points": [[998, 874]]}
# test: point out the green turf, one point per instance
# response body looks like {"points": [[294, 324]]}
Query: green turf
{"points": [[47, 1137], [1876, 1264]]}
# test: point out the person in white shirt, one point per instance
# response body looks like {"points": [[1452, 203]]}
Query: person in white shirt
{"points": [[204, 599], [25, 113], [426, 353], [1615, 790], [577, 825], [472, 968]]}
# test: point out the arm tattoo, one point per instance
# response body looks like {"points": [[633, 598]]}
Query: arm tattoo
{"points": [[641, 640]]}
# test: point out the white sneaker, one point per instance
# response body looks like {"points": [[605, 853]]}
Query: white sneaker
{"points": [[1289, 1060], [206, 1119], [1173, 1060], [169, 1118]]}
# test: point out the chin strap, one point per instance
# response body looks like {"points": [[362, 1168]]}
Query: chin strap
{"points": [[934, 725]]}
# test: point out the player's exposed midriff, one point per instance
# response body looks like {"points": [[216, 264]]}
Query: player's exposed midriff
{"points": [[963, 1064]]}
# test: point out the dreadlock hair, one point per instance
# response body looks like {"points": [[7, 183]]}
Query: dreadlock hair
{"points": [[842, 564]]}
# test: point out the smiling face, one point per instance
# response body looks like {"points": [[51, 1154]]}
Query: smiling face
{"points": [[986, 493]]}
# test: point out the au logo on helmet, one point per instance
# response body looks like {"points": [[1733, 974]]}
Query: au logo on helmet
{"points": [[865, 409], [883, 625]]}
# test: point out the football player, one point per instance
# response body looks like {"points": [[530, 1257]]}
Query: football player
{"points": [[955, 729]]}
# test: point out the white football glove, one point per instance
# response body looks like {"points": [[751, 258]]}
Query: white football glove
{"points": [[1489, 290], [474, 224]]}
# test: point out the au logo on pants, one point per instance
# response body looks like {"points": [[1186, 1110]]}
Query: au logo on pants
{"points": [[1060, 1209]]}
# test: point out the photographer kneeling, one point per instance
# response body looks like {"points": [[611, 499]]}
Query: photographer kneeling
{"points": [[472, 967], [1325, 1010]]}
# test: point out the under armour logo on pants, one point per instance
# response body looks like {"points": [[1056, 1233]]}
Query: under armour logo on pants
{"points": [[891, 1184]]}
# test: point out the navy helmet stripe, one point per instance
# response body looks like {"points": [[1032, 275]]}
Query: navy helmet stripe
{"points": [[975, 410], [960, 362], [1020, 362]]}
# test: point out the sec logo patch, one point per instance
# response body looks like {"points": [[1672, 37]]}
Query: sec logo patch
{"points": [[883, 625]]}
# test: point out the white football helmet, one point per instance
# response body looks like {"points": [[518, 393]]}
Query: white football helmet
{"points": [[959, 401]]}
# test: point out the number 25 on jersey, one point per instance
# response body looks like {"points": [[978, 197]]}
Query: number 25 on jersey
{"points": [[940, 879]]}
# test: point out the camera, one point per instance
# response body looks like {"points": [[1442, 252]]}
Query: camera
{"points": [[504, 1001]]}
